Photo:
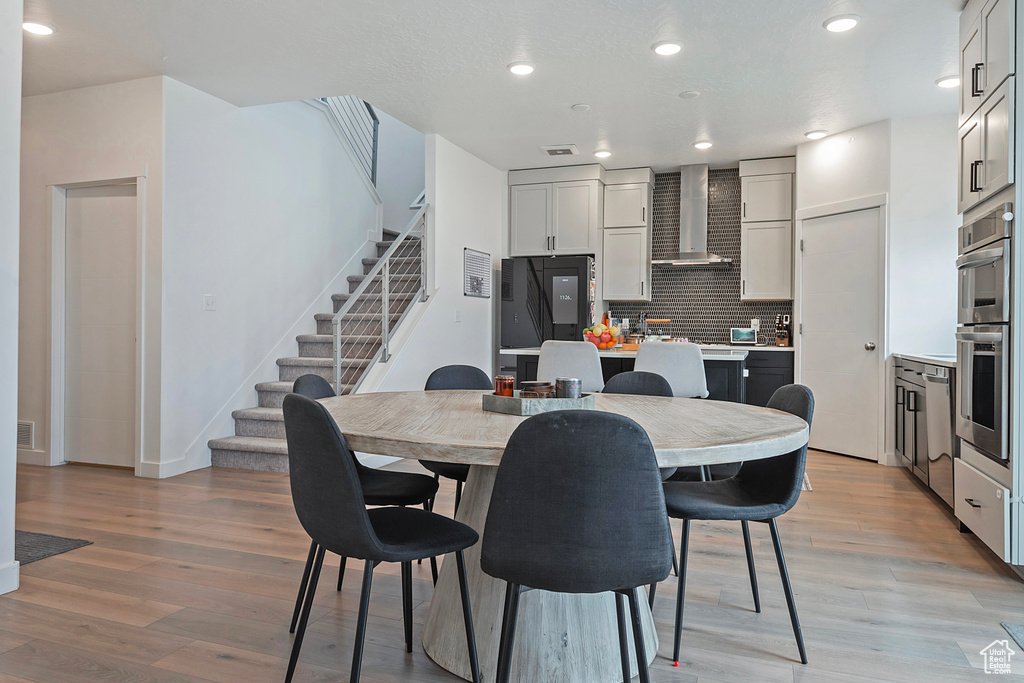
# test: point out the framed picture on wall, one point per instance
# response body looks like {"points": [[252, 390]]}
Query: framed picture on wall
{"points": [[477, 273]]}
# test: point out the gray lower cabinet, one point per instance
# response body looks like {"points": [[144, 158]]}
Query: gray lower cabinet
{"points": [[767, 371]]}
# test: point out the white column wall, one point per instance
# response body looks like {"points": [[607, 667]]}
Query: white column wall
{"points": [[10, 160]]}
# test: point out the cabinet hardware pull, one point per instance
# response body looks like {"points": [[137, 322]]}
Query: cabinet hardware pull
{"points": [[553, 238], [970, 501], [744, 282], [643, 214], [975, 182], [641, 288], [744, 209], [975, 77]]}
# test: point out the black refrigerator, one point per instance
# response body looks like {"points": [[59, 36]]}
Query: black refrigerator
{"points": [[546, 298]]}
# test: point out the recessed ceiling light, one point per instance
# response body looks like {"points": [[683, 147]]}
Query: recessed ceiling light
{"points": [[816, 134], [703, 144], [38, 29], [842, 22], [602, 154], [667, 47], [689, 94], [580, 107], [948, 82], [520, 68]]}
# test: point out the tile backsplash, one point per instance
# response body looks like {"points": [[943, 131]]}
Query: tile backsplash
{"points": [[702, 302]]}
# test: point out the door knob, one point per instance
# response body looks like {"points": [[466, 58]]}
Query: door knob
{"points": [[870, 346]]}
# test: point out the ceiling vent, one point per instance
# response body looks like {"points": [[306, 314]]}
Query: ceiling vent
{"points": [[560, 150], [26, 435]]}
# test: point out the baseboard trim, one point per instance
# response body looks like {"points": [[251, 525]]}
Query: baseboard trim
{"points": [[10, 577], [162, 470], [27, 457]]}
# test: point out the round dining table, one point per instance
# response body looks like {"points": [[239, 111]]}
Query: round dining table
{"points": [[559, 637]]}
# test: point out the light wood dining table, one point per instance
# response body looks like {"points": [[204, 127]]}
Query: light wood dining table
{"points": [[565, 638]]}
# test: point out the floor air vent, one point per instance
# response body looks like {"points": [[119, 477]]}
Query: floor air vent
{"points": [[27, 435]]}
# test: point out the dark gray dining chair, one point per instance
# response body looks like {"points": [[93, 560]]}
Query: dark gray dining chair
{"points": [[638, 383], [447, 378], [601, 529], [761, 491], [330, 505], [380, 487]]}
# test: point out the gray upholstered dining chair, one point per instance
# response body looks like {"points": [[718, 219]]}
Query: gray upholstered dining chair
{"points": [[571, 359], [681, 363], [761, 491], [331, 508], [380, 487], [600, 530], [453, 377]]}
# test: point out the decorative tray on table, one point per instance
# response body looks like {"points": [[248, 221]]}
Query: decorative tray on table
{"points": [[514, 405]]}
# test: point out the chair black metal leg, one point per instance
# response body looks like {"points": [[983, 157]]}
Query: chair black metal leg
{"points": [[302, 586], [307, 606], [364, 608], [407, 603], [506, 608], [675, 563], [680, 591], [467, 614], [458, 495], [341, 571], [750, 566], [508, 638], [433, 569], [638, 637], [650, 594], [789, 590], [620, 619], [705, 472]]}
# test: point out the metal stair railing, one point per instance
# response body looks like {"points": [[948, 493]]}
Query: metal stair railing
{"points": [[359, 123], [364, 325]]}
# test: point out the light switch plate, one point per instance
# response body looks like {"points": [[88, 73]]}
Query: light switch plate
{"points": [[458, 315], [209, 302]]}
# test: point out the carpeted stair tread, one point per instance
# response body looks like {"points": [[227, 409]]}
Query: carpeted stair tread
{"points": [[255, 444], [375, 295], [329, 338], [269, 414], [329, 317], [402, 260], [283, 387]]}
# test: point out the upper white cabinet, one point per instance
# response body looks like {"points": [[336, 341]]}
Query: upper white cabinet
{"points": [[627, 206], [970, 65], [766, 261], [555, 218], [987, 51], [766, 229], [987, 148], [627, 264], [766, 197]]}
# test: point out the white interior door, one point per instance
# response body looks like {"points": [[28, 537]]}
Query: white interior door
{"points": [[840, 309], [99, 346]]}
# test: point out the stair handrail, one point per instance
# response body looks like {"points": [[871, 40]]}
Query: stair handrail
{"points": [[359, 122], [381, 268]]}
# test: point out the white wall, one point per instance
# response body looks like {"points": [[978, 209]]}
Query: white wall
{"points": [[923, 226], [98, 133], [263, 208], [400, 169], [468, 208], [10, 139], [844, 166]]}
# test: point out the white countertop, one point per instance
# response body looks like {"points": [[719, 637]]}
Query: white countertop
{"points": [[944, 361], [710, 352]]}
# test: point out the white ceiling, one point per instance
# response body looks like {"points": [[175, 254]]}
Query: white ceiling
{"points": [[766, 69]]}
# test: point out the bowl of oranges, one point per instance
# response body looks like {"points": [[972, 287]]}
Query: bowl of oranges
{"points": [[602, 336]]}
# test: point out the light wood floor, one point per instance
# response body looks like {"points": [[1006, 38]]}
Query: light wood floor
{"points": [[192, 579]]}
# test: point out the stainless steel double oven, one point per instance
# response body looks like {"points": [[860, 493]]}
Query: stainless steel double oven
{"points": [[983, 338]]}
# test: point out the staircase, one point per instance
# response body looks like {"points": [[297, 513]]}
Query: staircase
{"points": [[341, 355]]}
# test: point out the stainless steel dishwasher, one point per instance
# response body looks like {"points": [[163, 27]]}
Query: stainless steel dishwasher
{"points": [[938, 383]]}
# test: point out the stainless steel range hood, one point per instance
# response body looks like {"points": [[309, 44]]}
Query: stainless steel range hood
{"points": [[693, 221]]}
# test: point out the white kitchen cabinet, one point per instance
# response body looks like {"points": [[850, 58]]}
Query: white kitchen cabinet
{"points": [[531, 220], [627, 264], [627, 206], [969, 192], [766, 197], [987, 51], [554, 218], [997, 129], [987, 148], [576, 221], [766, 261]]}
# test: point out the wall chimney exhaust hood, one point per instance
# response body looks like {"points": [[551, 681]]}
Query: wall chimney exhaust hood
{"points": [[693, 221]]}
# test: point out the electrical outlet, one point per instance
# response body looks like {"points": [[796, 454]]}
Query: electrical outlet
{"points": [[458, 316], [755, 324], [209, 302]]}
